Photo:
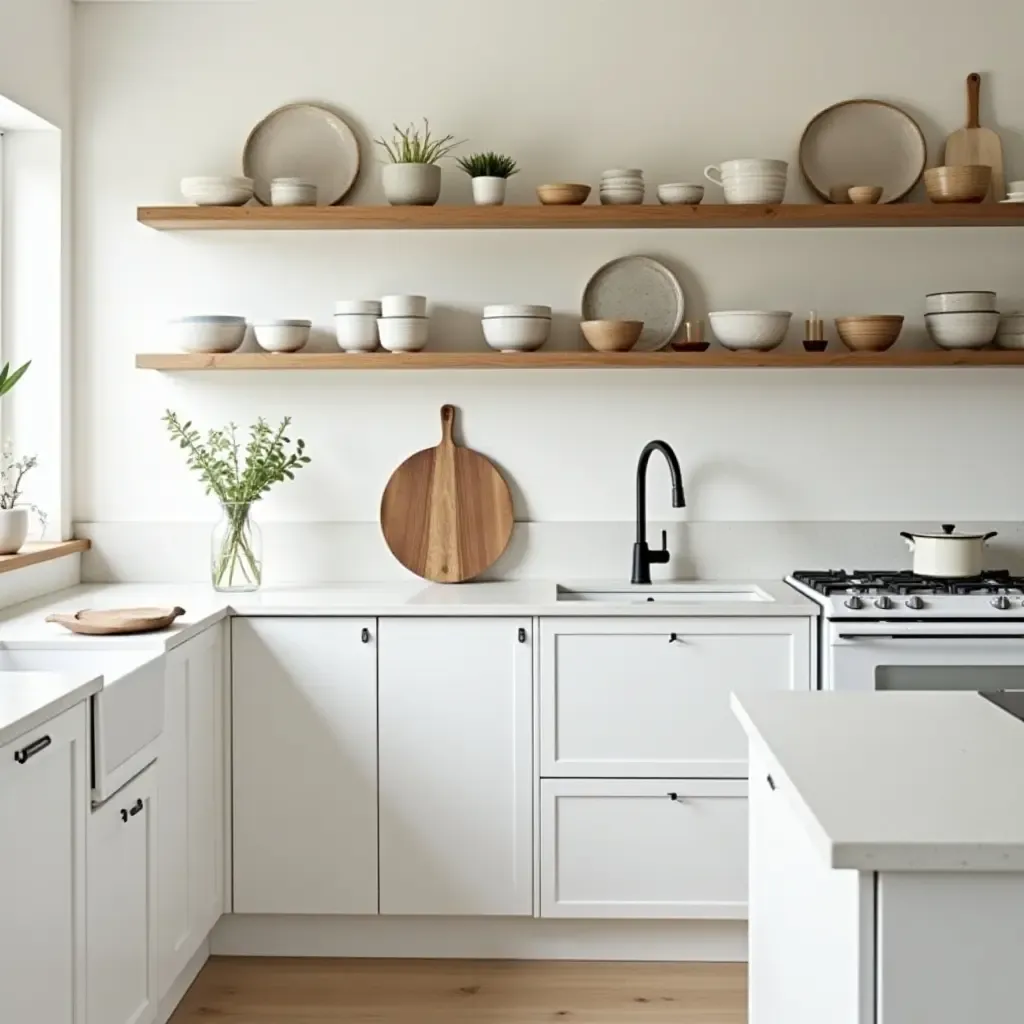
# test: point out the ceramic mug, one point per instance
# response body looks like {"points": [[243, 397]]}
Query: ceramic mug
{"points": [[750, 181]]}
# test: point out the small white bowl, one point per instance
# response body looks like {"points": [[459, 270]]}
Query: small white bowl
{"points": [[356, 332], [349, 307], [516, 333], [208, 333], [223, 190], [959, 302], [403, 305], [623, 172], [491, 312], [623, 198], [403, 333], [750, 329], [282, 335], [622, 183], [1009, 340], [963, 329], [292, 192], [680, 194]]}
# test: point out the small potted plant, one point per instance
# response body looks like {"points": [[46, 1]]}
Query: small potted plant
{"points": [[13, 511], [413, 177], [490, 173]]}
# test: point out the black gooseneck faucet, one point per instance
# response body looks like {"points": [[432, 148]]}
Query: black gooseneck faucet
{"points": [[643, 557]]}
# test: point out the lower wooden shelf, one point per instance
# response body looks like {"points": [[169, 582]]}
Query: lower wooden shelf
{"points": [[712, 359]]}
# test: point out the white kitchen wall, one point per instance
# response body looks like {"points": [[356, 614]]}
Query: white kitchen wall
{"points": [[164, 90]]}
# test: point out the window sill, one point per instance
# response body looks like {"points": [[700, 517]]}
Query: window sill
{"points": [[45, 551]]}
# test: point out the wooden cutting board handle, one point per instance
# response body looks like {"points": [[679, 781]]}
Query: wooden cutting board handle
{"points": [[447, 425], [973, 100]]}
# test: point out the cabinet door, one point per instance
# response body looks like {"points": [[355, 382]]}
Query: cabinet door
{"points": [[304, 765], [121, 888], [649, 698], [635, 848], [191, 785], [455, 766], [44, 794]]}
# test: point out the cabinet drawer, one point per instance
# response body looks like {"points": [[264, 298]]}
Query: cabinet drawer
{"points": [[615, 848], [650, 698]]}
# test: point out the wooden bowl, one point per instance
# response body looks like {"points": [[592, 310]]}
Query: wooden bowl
{"points": [[563, 194], [612, 335], [869, 333], [864, 195], [967, 184]]}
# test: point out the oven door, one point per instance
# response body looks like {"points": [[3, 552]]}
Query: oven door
{"points": [[924, 656]]}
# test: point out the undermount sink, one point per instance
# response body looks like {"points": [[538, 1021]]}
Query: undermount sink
{"points": [[695, 592]]}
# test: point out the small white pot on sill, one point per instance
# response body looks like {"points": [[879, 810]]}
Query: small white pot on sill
{"points": [[488, 191], [411, 184], [13, 529]]}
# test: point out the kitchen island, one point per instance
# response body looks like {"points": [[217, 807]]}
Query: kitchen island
{"points": [[886, 858]]}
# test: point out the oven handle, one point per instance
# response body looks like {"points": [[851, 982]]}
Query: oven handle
{"points": [[931, 636]]}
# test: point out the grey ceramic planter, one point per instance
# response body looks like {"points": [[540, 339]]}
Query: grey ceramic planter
{"points": [[411, 184]]}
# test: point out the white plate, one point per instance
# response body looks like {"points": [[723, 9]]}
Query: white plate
{"points": [[637, 288], [307, 141], [1012, 200]]}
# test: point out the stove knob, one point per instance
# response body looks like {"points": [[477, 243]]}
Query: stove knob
{"points": [[854, 603], [1002, 602], [883, 602], [915, 603]]}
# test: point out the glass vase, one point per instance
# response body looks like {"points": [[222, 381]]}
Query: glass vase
{"points": [[236, 550]]}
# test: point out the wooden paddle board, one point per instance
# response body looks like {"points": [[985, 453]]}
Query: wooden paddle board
{"points": [[977, 145], [446, 512]]}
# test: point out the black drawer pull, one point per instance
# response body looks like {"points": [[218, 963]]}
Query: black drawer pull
{"points": [[136, 807], [365, 635], [673, 638], [522, 635], [676, 797], [124, 814], [770, 781], [35, 747]]}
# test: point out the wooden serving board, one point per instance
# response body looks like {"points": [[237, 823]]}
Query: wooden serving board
{"points": [[114, 621], [446, 512], [976, 145]]}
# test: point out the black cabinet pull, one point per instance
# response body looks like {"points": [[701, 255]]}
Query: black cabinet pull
{"points": [[770, 781], [676, 797], [124, 814], [365, 635], [21, 756], [136, 807], [673, 638], [522, 635]]}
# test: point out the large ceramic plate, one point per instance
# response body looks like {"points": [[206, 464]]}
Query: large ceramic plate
{"points": [[637, 288], [307, 141], [863, 142]]}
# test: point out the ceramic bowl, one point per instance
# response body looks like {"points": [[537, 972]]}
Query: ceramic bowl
{"points": [[292, 192], [962, 330], [865, 195], [959, 302], [208, 333], [282, 335], [680, 194], [750, 329], [563, 194], [356, 332], [840, 193], [622, 172], [1009, 339], [874, 333], [403, 333], [1013, 187], [612, 335], [403, 305], [350, 307], [622, 197], [516, 333], [493, 312], [222, 190], [1011, 327], [967, 184]]}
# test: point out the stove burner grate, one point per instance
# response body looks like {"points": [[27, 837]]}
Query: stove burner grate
{"points": [[904, 581]]}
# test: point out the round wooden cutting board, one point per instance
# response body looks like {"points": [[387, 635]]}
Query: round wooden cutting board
{"points": [[446, 512]]}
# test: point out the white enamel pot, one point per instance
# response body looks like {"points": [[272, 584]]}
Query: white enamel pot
{"points": [[948, 553]]}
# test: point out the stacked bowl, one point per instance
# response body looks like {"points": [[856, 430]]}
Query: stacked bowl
{"points": [[403, 325], [292, 192], [622, 187], [355, 324], [217, 190], [513, 328], [961, 319], [1011, 331]]}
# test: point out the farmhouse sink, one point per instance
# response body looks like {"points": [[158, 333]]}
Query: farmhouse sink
{"points": [[691, 592]]}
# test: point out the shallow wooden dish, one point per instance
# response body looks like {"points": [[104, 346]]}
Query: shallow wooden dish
{"points": [[968, 184], [117, 621], [869, 333], [563, 194]]}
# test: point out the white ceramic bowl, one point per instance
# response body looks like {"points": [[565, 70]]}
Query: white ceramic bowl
{"points": [[514, 310], [632, 198], [962, 330], [208, 333], [516, 333], [403, 333], [403, 305], [622, 183], [622, 172], [1009, 340], [680, 194], [346, 307], [222, 190], [356, 332], [292, 192], [959, 302], [282, 335], [1014, 186], [750, 329]]}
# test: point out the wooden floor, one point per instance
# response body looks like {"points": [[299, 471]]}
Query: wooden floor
{"points": [[254, 990]]}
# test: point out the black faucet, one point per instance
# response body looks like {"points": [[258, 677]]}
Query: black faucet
{"points": [[643, 557]]}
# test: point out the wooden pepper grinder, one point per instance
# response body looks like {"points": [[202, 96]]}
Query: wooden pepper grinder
{"points": [[814, 333]]}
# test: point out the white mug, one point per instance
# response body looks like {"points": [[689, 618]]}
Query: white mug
{"points": [[750, 181]]}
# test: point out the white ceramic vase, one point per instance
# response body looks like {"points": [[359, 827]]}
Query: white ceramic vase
{"points": [[411, 184], [13, 529], [489, 191]]}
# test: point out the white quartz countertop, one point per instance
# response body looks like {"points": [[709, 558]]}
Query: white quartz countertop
{"points": [[896, 781], [28, 699]]}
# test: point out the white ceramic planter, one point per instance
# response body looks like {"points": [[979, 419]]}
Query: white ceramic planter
{"points": [[489, 191], [13, 529], [411, 184]]}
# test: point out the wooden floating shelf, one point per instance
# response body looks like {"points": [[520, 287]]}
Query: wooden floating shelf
{"points": [[500, 218], [712, 359]]}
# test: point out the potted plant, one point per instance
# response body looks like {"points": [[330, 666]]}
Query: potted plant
{"points": [[490, 173], [14, 512], [413, 177], [238, 480]]}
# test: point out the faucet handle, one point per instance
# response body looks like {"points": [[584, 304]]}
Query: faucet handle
{"points": [[664, 540], [662, 556]]}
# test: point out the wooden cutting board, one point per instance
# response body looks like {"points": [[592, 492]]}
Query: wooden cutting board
{"points": [[446, 512], [113, 621], [977, 145]]}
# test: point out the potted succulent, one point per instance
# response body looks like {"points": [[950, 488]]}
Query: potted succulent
{"points": [[13, 511], [490, 173], [413, 177]]}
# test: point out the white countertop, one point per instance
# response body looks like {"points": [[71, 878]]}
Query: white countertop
{"points": [[896, 781], [28, 699]]}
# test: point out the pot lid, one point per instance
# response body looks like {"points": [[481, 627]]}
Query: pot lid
{"points": [[949, 532]]}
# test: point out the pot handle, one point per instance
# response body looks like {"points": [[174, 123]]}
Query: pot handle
{"points": [[909, 538], [948, 527], [988, 536]]}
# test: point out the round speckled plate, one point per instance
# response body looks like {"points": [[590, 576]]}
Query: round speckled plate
{"points": [[637, 288]]}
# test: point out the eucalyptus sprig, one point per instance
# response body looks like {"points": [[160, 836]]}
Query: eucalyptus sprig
{"points": [[488, 165], [412, 147]]}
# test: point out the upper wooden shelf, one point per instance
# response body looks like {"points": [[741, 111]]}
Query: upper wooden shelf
{"points": [[417, 218], [715, 358]]}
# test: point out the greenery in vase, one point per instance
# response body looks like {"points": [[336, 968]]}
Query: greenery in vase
{"points": [[8, 379], [488, 165], [12, 473], [412, 147], [237, 478]]}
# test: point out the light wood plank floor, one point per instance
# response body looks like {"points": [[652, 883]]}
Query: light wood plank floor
{"points": [[255, 990]]}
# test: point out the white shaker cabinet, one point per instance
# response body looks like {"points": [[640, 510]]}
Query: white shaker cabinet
{"points": [[191, 793], [305, 765], [121, 912], [456, 777], [44, 799]]}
